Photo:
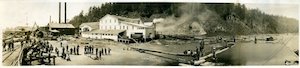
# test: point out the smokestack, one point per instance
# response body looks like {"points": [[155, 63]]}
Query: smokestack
{"points": [[65, 12], [59, 11]]}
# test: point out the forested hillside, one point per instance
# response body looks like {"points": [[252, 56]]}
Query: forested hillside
{"points": [[184, 18]]}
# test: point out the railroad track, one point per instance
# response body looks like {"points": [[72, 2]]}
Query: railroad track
{"points": [[15, 60], [11, 51]]}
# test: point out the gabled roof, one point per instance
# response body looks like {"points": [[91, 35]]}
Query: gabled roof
{"points": [[134, 24], [93, 25], [60, 25]]}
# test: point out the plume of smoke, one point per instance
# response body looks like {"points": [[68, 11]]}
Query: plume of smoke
{"points": [[193, 20]]}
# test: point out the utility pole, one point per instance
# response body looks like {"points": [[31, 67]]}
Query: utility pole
{"points": [[50, 20]]}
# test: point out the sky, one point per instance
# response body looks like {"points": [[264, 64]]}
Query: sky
{"points": [[276, 7], [19, 13]]}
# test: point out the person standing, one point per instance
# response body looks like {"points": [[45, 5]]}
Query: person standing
{"points": [[22, 42], [89, 49], [77, 50], [4, 45], [97, 53], [109, 51], [100, 54], [63, 51], [92, 48], [61, 44], [51, 48], [102, 51], [12, 45], [67, 48], [57, 52], [85, 49], [214, 54], [71, 50], [255, 40], [105, 51]]}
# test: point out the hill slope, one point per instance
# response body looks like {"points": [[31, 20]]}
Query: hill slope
{"points": [[195, 18]]}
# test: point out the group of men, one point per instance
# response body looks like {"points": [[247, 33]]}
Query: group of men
{"points": [[10, 45], [42, 50], [66, 51], [75, 50], [98, 51]]}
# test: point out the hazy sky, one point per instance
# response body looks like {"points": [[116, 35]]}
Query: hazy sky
{"points": [[18, 13], [13, 13]]}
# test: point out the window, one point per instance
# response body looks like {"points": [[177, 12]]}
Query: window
{"points": [[115, 27], [141, 28], [132, 27], [109, 21], [123, 27]]}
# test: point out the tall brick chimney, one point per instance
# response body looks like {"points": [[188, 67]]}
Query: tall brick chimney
{"points": [[65, 12], [59, 13]]}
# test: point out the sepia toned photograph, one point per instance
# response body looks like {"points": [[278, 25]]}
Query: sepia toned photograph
{"points": [[59, 33]]}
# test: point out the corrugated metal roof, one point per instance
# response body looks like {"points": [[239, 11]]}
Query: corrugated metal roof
{"points": [[126, 19], [130, 21], [59, 25]]}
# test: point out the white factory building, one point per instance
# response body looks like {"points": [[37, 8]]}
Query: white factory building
{"points": [[116, 27]]}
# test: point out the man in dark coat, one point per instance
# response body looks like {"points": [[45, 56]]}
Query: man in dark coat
{"points": [[71, 50], [57, 52], [109, 51], [74, 50], [61, 44], [63, 51], [100, 54], [102, 51], [77, 50], [96, 52], [105, 51], [67, 48], [85, 49]]}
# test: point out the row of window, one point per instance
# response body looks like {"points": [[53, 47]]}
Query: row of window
{"points": [[120, 27], [114, 21], [109, 21], [115, 27], [101, 34]]}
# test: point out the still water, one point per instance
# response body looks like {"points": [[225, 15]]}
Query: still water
{"points": [[262, 53]]}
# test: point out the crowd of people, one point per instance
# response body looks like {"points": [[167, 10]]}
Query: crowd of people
{"points": [[98, 52]]}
